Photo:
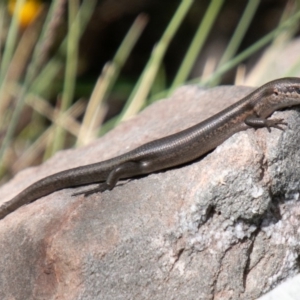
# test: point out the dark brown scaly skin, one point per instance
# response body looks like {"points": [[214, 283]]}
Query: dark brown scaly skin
{"points": [[173, 150]]}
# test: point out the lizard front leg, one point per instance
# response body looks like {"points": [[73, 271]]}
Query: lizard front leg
{"points": [[258, 122]]}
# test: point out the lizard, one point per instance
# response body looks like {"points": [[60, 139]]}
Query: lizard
{"points": [[252, 111]]}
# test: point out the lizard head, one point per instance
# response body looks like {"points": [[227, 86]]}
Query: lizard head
{"points": [[277, 94], [285, 92]]}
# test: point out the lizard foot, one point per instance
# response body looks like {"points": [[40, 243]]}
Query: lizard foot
{"points": [[274, 123]]}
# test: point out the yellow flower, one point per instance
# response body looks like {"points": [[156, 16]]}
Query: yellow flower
{"points": [[28, 13]]}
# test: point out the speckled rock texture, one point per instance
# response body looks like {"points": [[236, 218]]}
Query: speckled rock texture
{"points": [[223, 227], [288, 290]]}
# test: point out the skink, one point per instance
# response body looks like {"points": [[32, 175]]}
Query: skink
{"points": [[250, 112]]}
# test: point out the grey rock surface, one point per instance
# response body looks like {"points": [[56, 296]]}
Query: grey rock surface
{"points": [[289, 290], [223, 227]]}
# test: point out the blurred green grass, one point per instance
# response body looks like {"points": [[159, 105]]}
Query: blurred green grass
{"points": [[33, 129]]}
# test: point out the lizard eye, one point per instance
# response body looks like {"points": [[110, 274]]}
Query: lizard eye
{"points": [[297, 90]]}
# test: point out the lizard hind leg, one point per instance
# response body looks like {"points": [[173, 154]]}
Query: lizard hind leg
{"points": [[125, 170]]}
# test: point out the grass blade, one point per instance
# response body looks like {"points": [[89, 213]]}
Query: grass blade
{"points": [[71, 70], [141, 90], [197, 43]]}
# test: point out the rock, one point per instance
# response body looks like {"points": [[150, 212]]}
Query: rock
{"points": [[287, 290], [224, 227]]}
